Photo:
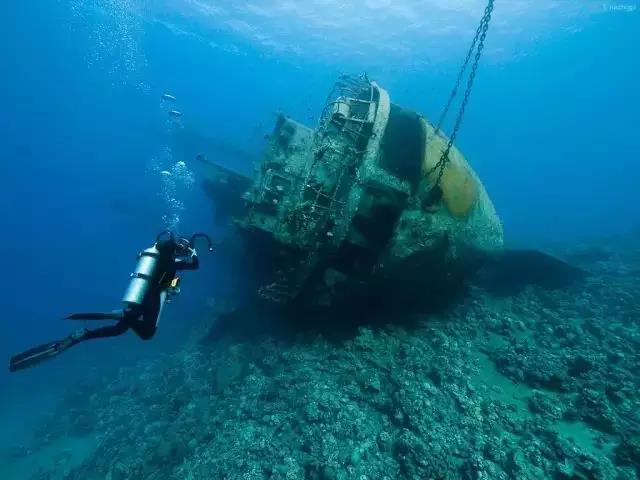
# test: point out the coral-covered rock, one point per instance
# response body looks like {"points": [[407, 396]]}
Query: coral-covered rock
{"points": [[390, 402]]}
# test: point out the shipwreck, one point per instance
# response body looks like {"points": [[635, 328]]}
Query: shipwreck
{"points": [[360, 208]]}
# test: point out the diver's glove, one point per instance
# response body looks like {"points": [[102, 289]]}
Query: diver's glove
{"points": [[41, 353]]}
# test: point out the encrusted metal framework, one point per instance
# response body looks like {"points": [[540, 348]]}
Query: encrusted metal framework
{"points": [[339, 142]]}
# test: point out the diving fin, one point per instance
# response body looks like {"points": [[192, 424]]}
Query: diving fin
{"points": [[41, 353], [508, 272]]}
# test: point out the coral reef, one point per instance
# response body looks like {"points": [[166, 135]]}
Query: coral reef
{"points": [[538, 385]]}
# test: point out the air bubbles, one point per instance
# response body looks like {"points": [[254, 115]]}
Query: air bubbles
{"points": [[115, 38], [176, 179], [180, 171]]}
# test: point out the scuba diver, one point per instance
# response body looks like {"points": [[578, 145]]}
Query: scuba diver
{"points": [[152, 284]]}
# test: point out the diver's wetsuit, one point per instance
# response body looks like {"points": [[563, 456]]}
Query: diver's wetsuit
{"points": [[152, 283], [143, 319]]}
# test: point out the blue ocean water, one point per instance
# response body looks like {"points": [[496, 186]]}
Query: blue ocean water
{"points": [[551, 128]]}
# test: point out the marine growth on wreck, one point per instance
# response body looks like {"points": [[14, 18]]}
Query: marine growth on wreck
{"points": [[357, 208]]}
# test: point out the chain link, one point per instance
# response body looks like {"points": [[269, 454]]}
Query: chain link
{"points": [[478, 39]]}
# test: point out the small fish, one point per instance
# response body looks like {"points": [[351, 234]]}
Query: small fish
{"points": [[166, 173], [175, 113], [168, 96]]}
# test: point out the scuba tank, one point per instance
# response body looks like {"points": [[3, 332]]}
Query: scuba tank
{"points": [[142, 276], [145, 271], [148, 261]]}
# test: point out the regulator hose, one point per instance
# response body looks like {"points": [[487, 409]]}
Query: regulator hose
{"points": [[202, 235], [189, 241]]}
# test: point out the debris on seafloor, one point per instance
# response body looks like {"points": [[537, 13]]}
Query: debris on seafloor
{"points": [[362, 208]]}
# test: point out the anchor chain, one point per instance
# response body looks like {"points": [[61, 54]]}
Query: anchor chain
{"points": [[478, 40]]}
